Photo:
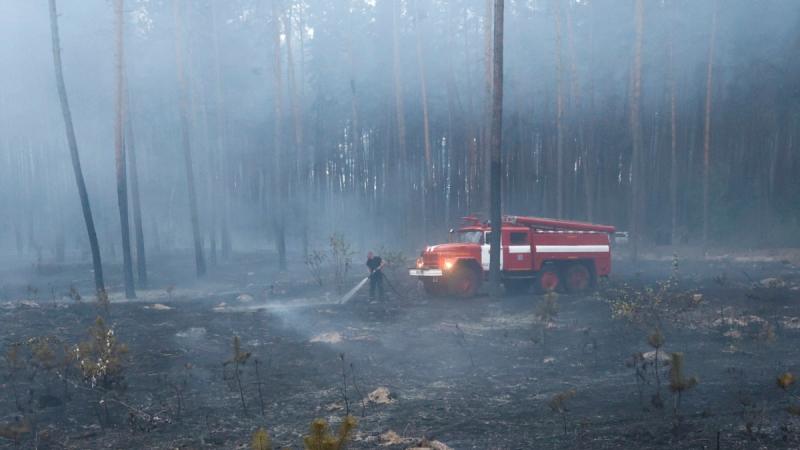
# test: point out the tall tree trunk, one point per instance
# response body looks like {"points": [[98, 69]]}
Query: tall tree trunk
{"points": [[299, 137], [119, 153], [398, 84], [497, 131], [559, 118], [427, 171], [636, 132], [221, 142], [486, 117], [73, 150], [707, 127], [673, 172], [130, 149], [199, 259], [279, 171]]}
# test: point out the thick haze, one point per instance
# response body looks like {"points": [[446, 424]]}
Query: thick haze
{"points": [[343, 62]]}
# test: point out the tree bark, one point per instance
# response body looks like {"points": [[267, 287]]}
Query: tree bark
{"points": [[559, 118], [221, 142], [673, 173], [75, 157], [636, 133], [199, 259], [398, 84], [130, 149], [119, 153], [496, 139], [427, 171], [279, 171], [707, 127]]}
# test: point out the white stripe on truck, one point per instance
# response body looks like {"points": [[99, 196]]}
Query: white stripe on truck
{"points": [[572, 249], [519, 249]]}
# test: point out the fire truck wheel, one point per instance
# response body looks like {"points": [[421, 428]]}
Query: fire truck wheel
{"points": [[547, 280], [578, 278], [464, 282]]}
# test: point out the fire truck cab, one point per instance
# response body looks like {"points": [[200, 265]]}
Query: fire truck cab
{"points": [[546, 254]]}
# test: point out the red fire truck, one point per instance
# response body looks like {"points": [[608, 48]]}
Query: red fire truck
{"points": [[547, 254]]}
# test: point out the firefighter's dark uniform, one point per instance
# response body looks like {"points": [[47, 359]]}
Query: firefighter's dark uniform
{"points": [[375, 277]]}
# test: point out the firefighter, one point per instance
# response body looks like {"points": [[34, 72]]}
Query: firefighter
{"points": [[375, 264]]}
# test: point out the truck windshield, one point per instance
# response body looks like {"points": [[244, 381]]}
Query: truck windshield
{"points": [[469, 237]]}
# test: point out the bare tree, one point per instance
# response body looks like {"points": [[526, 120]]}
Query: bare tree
{"points": [[279, 172], [707, 126], [119, 153], [130, 149], [496, 140], [426, 177], [636, 132], [673, 172], [199, 259], [559, 117], [73, 150]]}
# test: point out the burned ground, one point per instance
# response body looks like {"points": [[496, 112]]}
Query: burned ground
{"points": [[478, 373]]}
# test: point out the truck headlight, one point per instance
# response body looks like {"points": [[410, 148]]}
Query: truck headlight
{"points": [[420, 263], [448, 265]]}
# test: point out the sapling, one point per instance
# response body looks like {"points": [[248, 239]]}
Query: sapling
{"points": [[344, 385], [320, 437], [14, 364], [314, 262], [14, 431], [260, 440], [656, 340], [678, 382], [238, 359], [342, 254], [179, 386], [358, 391], [259, 386], [547, 310], [74, 295], [558, 404]]}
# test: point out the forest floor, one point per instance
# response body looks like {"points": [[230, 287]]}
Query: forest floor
{"points": [[482, 373]]}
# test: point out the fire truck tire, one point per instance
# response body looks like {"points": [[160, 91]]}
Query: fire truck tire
{"points": [[464, 282], [578, 278], [548, 279]]}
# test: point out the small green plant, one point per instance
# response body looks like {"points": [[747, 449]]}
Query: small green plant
{"points": [[314, 262], [342, 255], [238, 359], [101, 359], [103, 301], [678, 382], [320, 437], [14, 431], [785, 381], [74, 295], [394, 259], [558, 404], [33, 293], [547, 311], [260, 440], [647, 307], [14, 365], [656, 341]]}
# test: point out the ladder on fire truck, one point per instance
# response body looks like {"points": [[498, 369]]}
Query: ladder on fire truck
{"points": [[557, 225]]}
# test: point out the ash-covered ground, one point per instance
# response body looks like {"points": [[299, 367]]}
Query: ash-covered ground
{"points": [[482, 373]]}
